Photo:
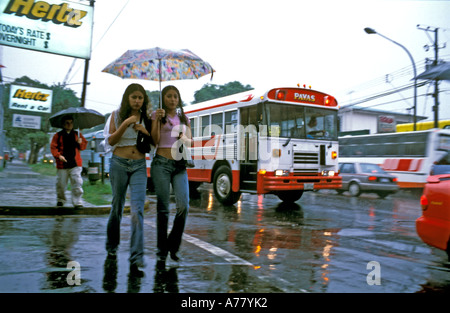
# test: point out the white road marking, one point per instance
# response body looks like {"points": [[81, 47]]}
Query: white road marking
{"points": [[227, 256]]}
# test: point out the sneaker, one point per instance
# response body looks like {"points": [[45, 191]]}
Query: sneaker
{"points": [[78, 206]]}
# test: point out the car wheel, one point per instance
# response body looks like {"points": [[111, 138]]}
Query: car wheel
{"points": [[354, 189]]}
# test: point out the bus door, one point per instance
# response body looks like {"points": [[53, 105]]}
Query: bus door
{"points": [[248, 155]]}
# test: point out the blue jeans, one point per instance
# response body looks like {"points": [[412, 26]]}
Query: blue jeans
{"points": [[124, 173], [165, 172]]}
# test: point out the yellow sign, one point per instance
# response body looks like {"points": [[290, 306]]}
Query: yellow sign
{"points": [[49, 26], [30, 99]]}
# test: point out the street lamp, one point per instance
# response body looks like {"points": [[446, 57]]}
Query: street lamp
{"points": [[370, 31]]}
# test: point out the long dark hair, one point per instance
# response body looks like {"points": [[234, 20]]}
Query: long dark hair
{"points": [[125, 109], [183, 117]]}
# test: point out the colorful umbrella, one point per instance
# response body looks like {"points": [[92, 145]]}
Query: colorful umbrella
{"points": [[159, 64]]}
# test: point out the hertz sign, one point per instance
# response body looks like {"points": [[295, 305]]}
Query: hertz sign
{"points": [[30, 99], [49, 26]]}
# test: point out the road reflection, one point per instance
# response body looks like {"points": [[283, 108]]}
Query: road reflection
{"points": [[60, 242], [274, 236]]}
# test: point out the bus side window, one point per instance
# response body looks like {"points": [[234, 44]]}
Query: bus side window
{"points": [[205, 130], [217, 124], [230, 121], [193, 126]]}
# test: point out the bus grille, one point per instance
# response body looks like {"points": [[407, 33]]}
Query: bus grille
{"points": [[305, 162], [306, 158]]}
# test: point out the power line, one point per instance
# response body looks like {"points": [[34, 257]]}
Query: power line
{"points": [[383, 94], [98, 42]]}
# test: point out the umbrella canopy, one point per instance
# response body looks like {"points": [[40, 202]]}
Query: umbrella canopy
{"points": [[438, 72], [82, 118], [159, 64]]}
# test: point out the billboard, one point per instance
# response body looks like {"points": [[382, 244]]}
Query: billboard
{"points": [[30, 99], [26, 121], [53, 26]]}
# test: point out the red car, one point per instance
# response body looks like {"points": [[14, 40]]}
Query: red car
{"points": [[433, 226]]}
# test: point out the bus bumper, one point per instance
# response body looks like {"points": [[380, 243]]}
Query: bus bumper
{"points": [[268, 183]]}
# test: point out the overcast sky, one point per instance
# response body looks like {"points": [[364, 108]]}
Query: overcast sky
{"points": [[262, 43]]}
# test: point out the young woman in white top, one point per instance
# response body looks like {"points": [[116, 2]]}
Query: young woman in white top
{"points": [[128, 169]]}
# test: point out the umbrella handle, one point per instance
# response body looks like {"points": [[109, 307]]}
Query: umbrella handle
{"points": [[160, 78]]}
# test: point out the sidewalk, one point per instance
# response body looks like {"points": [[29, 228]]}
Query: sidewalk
{"points": [[24, 192]]}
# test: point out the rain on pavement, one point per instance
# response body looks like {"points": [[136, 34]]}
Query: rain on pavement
{"points": [[323, 243]]}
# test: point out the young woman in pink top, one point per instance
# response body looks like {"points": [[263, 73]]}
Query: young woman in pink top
{"points": [[170, 127]]}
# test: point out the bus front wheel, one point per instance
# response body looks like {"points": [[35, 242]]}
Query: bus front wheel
{"points": [[290, 196], [222, 186]]}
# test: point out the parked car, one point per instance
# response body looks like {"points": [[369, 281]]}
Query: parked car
{"points": [[433, 227], [360, 177]]}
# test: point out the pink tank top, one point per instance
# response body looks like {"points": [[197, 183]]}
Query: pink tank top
{"points": [[170, 131]]}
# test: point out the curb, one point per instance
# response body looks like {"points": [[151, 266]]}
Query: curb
{"points": [[52, 210]]}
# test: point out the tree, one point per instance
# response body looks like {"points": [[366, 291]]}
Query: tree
{"points": [[24, 139], [212, 91]]}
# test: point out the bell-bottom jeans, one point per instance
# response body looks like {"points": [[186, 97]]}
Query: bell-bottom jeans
{"points": [[165, 172], [126, 173]]}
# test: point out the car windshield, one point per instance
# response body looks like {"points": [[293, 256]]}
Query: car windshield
{"points": [[371, 168]]}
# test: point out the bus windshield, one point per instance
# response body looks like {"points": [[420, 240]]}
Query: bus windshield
{"points": [[299, 122]]}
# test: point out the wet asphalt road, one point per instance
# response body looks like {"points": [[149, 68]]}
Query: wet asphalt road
{"points": [[321, 244]]}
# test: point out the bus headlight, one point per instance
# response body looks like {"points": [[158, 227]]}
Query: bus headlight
{"points": [[281, 173], [328, 173]]}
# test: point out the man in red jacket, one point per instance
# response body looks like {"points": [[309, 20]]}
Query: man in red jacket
{"points": [[66, 145]]}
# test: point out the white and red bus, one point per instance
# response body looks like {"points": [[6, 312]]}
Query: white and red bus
{"points": [[261, 143], [407, 155]]}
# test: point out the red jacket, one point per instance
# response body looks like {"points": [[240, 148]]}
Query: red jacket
{"points": [[57, 148]]}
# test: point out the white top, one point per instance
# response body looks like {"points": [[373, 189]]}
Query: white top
{"points": [[128, 138]]}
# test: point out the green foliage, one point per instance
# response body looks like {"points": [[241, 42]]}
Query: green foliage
{"points": [[44, 169], [212, 91], [97, 193]]}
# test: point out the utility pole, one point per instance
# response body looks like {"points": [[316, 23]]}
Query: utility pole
{"points": [[86, 69], [436, 47]]}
